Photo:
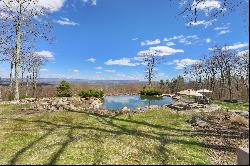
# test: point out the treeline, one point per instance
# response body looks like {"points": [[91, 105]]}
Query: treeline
{"points": [[171, 86], [224, 71]]}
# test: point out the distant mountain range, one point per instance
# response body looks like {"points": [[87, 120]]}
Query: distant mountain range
{"points": [[58, 80]]}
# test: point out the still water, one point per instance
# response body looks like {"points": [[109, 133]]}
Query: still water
{"points": [[132, 102]]}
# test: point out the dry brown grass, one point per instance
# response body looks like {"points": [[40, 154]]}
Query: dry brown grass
{"points": [[239, 120], [50, 90]]}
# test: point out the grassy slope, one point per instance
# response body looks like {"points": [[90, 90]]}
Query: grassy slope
{"points": [[154, 137], [233, 106]]}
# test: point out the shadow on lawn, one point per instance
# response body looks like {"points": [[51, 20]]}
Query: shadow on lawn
{"points": [[24, 149], [162, 138]]}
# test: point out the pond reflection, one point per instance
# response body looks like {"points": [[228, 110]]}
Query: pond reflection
{"points": [[132, 102]]}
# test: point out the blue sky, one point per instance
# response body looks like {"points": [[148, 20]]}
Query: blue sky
{"points": [[102, 39]]}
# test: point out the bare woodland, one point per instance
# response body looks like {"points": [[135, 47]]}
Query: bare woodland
{"points": [[224, 71], [19, 30]]}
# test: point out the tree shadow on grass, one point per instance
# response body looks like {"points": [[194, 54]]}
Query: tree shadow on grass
{"points": [[116, 129], [56, 155], [206, 132], [19, 153]]}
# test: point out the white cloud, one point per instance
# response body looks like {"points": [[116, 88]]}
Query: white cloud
{"points": [[173, 38], [151, 42], [180, 64], [222, 32], [160, 51], [236, 46], [91, 60], [208, 40], [43, 69], [110, 71], [211, 49], [92, 2], [170, 44], [137, 58], [206, 5], [99, 68], [66, 21], [45, 54], [201, 22], [121, 62], [76, 70], [223, 29], [50, 5], [181, 39], [188, 39], [134, 39]]}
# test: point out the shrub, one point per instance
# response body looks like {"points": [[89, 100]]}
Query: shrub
{"points": [[23, 96], [150, 92], [91, 93], [63, 90]]}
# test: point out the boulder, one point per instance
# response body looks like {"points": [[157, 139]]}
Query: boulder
{"points": [[244, 114], [240, 112], [153, 107], [198, 120], [95, 104], [125, 109]]}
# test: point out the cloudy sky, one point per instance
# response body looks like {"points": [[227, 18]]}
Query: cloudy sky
{"points": [[103, 39]]}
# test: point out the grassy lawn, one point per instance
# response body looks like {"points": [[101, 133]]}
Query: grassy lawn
{"points": [[233, 106], [154, 137]]}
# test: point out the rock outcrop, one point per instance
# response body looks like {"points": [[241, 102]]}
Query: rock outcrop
{"points": [[63, 104]]}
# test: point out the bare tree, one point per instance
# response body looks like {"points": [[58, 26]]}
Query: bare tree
{"points": [[223, 71], [36, 63], [195, 10], [9, 54], [195, 73], [21, 26], [151, 59], [242, 72]]}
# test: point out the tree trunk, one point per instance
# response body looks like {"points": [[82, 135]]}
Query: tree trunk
{"points": [[149, 78], [0, 93], [17, 60], [27, 86], [33, 81], [11, 69], [22, 80]]}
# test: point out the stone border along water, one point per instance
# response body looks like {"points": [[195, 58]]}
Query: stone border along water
{"points": [[74, 104]]}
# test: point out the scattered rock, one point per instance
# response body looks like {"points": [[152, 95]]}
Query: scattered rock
{"points": [[125, 109], [241, 113], [95, 104], [198, 120], [153, 107], [224, 129]]}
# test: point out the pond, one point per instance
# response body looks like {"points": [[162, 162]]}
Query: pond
{"points": [[133, 102]]}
